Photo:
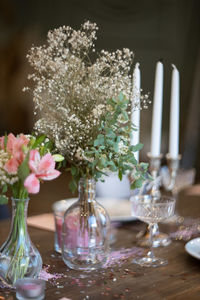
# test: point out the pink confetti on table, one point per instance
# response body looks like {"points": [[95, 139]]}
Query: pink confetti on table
{"points": [[185, 233], [45, 275], [120, 256]]}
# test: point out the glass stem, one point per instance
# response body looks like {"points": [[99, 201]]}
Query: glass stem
{"points": [[155, 230], [150, 253]]}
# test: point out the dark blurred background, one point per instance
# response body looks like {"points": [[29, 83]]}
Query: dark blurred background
{"points": [[153, 29]]}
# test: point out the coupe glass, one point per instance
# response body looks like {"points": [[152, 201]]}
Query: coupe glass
{"points": [[152, 211]]}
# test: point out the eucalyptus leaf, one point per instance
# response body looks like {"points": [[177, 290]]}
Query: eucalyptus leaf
{"points": [[121, 96], [73, 170], [137, 147], [137, 184], [144, 165], [120, 175], [73, 185], [58, 157]]}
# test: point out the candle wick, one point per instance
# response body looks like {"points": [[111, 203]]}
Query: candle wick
{"points": [[161, 60], [137, 65]]}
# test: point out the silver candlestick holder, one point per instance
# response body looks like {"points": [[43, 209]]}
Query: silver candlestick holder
{"points": [[173, 167], [171, 184], [154, 167]]}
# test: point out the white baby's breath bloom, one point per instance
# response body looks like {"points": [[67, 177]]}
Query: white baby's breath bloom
{"points": [[79, 153], [71, 91], [123, 149], [6, 178]]}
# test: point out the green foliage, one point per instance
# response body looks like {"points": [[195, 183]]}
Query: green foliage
{"points": [[3, 199], [111, 150], [58, 157], [23, 170], [38, 141], [43, 145]]}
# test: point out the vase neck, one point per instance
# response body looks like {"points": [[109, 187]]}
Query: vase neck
{"points": [[87, 190], [19, 215]]}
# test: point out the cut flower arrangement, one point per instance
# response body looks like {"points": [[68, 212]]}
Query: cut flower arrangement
{"points": [[25, 161], [85, 105]]}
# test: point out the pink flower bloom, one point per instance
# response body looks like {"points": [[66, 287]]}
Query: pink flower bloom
{"points": [[42, 168], [14, 148], [11, 166], [32, 184], [10, 143], [19, 143]]}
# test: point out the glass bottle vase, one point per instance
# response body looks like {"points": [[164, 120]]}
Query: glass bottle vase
{"points": [[19, 258], [86, 231]]}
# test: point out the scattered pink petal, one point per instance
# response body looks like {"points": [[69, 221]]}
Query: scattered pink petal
{"points": [[45, 275], [187, 230], [118, 257]]}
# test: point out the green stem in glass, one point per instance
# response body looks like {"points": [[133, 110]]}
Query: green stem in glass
{"points": [[18, 241]]}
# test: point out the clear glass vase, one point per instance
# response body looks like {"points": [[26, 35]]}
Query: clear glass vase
{"points": [[19, 258], [86, 231]]}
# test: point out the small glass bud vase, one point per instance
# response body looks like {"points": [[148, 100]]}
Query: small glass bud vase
{"points": [[86, 231], [19, 258]]}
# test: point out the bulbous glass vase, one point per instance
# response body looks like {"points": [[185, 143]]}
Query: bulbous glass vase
{"points": [[86, 231], [19, 258]]}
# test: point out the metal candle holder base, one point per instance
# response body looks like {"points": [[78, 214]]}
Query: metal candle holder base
{"points": [[173, 166]]}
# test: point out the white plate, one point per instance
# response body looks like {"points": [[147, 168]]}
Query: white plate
{"points": [[193, 248], [118, 209]]}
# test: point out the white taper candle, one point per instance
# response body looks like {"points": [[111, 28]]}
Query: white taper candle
{"points": [[174, 114], [157, 111], [135, 117]]}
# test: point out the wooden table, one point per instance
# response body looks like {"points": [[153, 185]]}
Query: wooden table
{"points": [[180, 279]]}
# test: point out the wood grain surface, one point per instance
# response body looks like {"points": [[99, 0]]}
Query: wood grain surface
{"points": [[180, 279]]}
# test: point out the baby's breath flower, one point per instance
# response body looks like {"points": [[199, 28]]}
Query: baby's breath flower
{"points": [[71, 91], [6, 178]]}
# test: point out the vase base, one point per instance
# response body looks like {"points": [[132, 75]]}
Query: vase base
{"points": [[150, 262], [87, 262], [19, 297]]}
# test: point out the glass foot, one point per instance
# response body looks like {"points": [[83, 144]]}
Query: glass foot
{"points": [[150, 261]]}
